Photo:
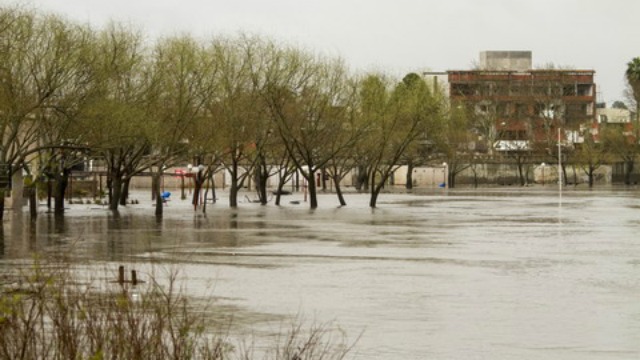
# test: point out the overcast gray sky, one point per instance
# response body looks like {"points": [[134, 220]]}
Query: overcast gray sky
{"points": [[400, 36]]}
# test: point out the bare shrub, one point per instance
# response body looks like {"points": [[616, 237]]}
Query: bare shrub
{"points": [[49, 312]]}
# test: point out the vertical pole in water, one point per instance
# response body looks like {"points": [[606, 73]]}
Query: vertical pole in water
{"points": [[559, 161], [134, 278]]}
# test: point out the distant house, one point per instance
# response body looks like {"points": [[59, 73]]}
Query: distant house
{"points": [[613, 116]]}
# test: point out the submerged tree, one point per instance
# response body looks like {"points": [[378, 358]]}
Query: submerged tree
{"points": [[43, 80], [115, 120], [395, 120], [309, 102], [183, 81], [454, 141], [590, 155]]}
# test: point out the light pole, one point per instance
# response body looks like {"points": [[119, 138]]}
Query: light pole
{"points": [[445, 175], [559, 161], [543, 165]]}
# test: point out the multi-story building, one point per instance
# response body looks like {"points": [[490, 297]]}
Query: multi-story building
{"points": [[516, 107]]}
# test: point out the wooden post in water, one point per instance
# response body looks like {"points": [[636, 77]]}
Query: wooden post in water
{"points": [[134, 278], [121, 275]]}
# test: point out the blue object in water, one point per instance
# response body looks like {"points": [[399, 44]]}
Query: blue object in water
{"points": [[443, 185], [165, 195]]}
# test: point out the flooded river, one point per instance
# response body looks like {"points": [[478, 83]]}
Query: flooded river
{"points": [[448, 274]]}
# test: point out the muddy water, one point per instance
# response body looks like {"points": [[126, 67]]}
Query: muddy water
{"points": [[515, 274]]}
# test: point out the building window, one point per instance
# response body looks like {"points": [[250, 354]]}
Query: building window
{"points": [[569, 90], [585, 90], [577, 110], [463, 90], [522, 110]]}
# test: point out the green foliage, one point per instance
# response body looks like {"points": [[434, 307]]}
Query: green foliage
{"points": [[619, 105]]}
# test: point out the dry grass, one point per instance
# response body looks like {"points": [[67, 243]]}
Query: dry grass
{"points": [[46, 313]]}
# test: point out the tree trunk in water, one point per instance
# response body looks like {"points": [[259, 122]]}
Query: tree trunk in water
{"points": [[375, 191], [204, 205], [336, 182], [279, 190], [628, 172], [261, 183], [155, 189], [451, 180], [590, 175], [520, 174], [33, 201], [233, 192], [49, 192], [109, 189], [313, 196], [125, 191], [409, 182], [116, 192], [60, 188]]}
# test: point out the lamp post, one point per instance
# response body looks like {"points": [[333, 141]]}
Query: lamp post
{"points": [[559, 161], [445, 174], [543, 165]]}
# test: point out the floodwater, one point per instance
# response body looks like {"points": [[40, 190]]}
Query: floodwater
{"points": [[448, 274]]}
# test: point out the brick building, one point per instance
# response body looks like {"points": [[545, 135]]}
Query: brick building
{"points": [[516, 107]]}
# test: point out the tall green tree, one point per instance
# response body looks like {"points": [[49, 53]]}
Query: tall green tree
{"points": [[628, 150], [240, 111], [116, 117], [43, 80], [622, 147], [454, 140], [183, 81], [395, 118], [590, 155], [309, 101]]}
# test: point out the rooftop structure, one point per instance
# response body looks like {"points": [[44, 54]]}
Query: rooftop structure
{"points": [[505, 60]]}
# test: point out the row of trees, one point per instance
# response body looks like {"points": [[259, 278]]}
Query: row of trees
{"points": [[245, 104]]}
